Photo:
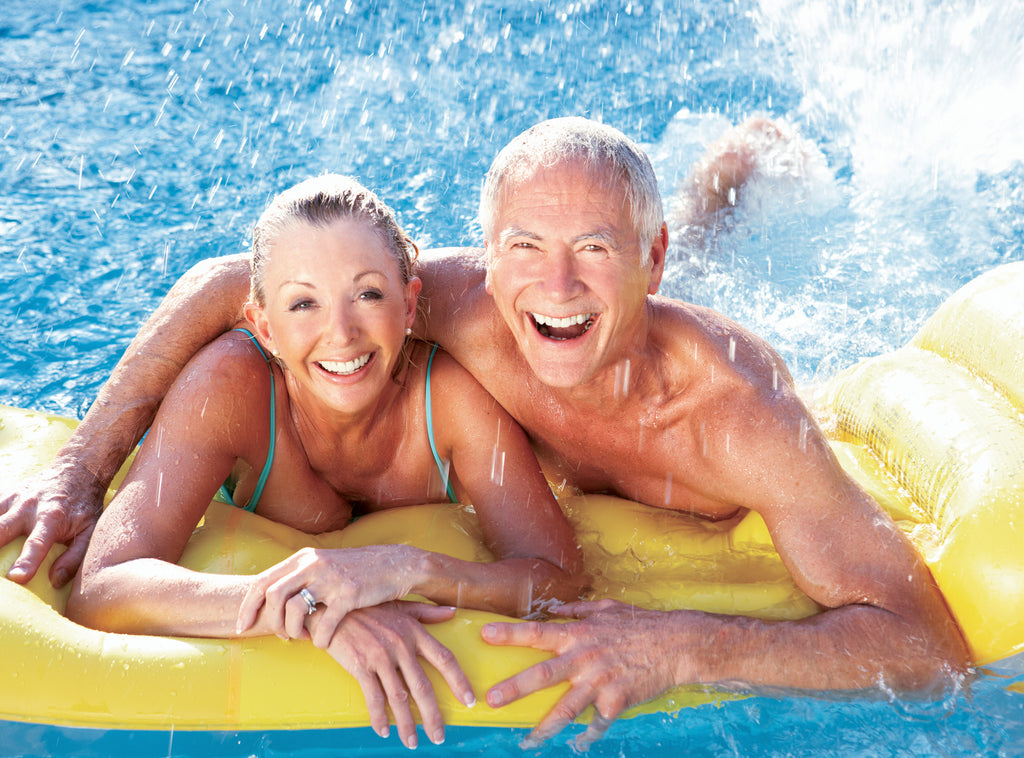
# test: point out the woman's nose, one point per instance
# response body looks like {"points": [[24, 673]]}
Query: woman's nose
{"points": [[344, 325]]}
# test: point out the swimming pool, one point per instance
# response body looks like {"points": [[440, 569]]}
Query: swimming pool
{"points": [[137, 139]]}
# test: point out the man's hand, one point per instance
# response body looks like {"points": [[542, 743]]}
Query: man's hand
{"points": [[611, 656], [61, 504]]}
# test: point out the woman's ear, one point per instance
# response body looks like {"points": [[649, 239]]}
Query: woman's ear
{"points": [[255, 315], [412, 291]]}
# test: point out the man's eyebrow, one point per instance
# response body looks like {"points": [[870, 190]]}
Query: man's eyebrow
{"points": [[515, 231], [602, 235]]}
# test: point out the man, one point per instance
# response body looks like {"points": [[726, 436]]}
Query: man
{"points": [[623, 392]]}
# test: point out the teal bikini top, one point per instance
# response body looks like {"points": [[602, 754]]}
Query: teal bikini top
{"points": [[255, 499], [225, 495]]}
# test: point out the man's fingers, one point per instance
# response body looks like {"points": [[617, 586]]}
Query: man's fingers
{"points": [[522, 634], [581, 609], [33, 552], [595, 730], [538, 677], [565, 712], [66, 565]]}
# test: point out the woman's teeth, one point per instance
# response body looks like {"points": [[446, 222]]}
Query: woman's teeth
{"points": [[344, 368]]}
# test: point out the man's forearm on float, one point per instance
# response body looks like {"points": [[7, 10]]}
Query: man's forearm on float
{"points": [[203, 304]]}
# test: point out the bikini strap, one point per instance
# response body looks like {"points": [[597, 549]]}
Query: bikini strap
{"points": [[254, 500], [430, 432]]}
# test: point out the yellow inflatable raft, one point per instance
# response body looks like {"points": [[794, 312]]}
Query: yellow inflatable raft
{"points": [[934, 431]]}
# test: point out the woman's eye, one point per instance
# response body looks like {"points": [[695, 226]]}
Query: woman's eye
{"points": [[301, 305], [371, 294]]}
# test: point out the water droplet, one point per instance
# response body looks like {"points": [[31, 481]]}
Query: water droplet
{"points": [[622, 379]]}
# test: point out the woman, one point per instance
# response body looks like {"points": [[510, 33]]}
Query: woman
{"points": [[324, 411]]}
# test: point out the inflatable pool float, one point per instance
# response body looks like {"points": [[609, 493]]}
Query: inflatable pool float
{"points": [[934, 431]]}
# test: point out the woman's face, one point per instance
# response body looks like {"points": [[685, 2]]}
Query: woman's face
{"points": [[336, 311]]}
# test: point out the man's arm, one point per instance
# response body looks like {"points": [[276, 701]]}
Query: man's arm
{"points": [[453, 279], [62, 503], [885, 625]]}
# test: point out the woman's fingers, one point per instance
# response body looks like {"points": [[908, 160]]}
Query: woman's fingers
{"points": [[437, 655]]}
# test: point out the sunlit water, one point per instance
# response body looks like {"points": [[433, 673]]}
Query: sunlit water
{"points": [[137, 139]]}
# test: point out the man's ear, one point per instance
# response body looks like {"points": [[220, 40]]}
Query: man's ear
{"points": [[659, 249], [254, 314]]}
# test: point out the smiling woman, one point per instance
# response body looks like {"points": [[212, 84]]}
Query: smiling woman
{"points": [[340, 421]]}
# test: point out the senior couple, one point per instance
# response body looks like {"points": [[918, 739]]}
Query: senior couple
{"points": [[617, 390]]}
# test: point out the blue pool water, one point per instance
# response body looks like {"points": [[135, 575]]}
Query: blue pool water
{"points": [[137, 139]]}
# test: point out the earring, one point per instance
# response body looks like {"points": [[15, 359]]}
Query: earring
{"points": [[275, 353], [408, 331]]}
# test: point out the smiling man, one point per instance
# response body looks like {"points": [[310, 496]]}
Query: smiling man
{"points": [[620, 391]]}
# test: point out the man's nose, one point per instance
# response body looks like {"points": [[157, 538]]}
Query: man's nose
{"points": [[562, 275]]}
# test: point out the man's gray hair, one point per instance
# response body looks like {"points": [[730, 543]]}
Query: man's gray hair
{"points": [[600, 149]]}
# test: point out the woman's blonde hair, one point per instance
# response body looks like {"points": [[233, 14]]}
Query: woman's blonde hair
{"points": [[319, 202]]}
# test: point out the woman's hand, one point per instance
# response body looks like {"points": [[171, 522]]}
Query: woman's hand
{"points": [[379, 647], [340, 580]]}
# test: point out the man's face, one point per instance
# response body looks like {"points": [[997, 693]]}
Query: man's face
{"points": [[566, 271]]}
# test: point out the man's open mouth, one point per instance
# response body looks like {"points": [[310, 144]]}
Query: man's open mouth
{"points": [[567, 328]]}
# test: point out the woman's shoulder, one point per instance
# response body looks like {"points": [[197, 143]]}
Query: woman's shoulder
{"points": [[434, 362], [453, 389], [232, 364]]}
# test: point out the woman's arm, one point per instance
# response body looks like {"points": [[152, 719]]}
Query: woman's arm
{"points": [[538, 558], [129, 581]]}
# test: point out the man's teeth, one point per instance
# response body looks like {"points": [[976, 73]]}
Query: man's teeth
{"points": [[561, 323], [345, 367]]}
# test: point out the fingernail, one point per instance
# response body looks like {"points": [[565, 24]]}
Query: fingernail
{"points": [[469, 700], [529, 743], [63, 577], [384, 732], [494, 699], [413, 742], [438, 737]]}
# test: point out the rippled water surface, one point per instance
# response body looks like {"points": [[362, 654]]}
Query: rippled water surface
{"points": [[137, 139]]}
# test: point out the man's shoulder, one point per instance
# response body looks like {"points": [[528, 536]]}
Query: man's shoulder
{"points": [[454, 302], [709, 341], [445, 268]]}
